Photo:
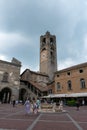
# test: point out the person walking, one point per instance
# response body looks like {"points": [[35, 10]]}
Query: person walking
{"points": [[83, 102], [27, 106], [38, 104], [35, 110], [14, 103], [77, 105]]}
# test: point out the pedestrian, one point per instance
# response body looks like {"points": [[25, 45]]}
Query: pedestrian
{"points": [[14, 103], [60, 105], [27, 106], [38, 104], [35, 110], [77, 104], [83, 102]]}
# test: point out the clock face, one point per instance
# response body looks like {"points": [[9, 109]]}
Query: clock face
{"points": [[43, 56]]}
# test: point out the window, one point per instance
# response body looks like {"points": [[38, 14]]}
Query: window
{"points": [[44, 49], [51, 40], [57, 75], [69, 85], [50, 91], [68, 73], [51, 53], [82, 82], [80, 71], [5, 77], [58, 86], [44, 40]]}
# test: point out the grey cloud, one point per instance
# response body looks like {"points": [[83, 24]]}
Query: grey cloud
{"points": [[64, 18]]}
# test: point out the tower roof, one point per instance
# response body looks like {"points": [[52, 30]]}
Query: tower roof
{"points": [[47, 33]]}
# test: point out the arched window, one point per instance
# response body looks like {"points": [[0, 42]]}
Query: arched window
{"points": [[58, 86], [44, 40], [51, 40], [69, 85], [82, 83], [5, 77]]}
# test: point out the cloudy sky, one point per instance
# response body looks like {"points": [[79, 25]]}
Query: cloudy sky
{"points": [[22, 22]]}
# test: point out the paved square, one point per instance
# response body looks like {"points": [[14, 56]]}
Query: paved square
{"points": [[16, 119]]}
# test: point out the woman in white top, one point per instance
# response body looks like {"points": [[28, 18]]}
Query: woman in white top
{"points": [[27, 106]]}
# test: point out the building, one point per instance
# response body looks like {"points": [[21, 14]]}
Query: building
{"points": [[41, 83], [72, 82], [48, 82], [9, 80]]}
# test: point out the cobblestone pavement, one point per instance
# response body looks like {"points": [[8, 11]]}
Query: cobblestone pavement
{"points": [[16, 119]]}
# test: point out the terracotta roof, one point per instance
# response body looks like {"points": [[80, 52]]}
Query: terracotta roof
{"points": [[38, 73], [41, 88], [72, 68]]}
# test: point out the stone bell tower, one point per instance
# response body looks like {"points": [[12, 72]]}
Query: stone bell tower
{"points": [[48, 54]]}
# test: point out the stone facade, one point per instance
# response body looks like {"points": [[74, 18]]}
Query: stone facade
{"points": [[40, 78], [9, 80], [34, 84]]}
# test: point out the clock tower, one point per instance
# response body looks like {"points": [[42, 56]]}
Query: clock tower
{"points": [[48, 54]]}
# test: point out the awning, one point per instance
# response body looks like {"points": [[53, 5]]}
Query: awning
{"points": [[77, 95], [54, 95], [66, 95]]}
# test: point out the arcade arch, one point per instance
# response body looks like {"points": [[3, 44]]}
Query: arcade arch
{"points": [[22, 94], [5, 95]]}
